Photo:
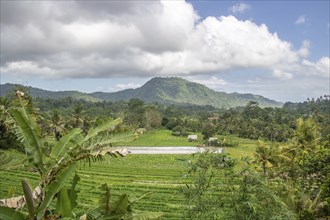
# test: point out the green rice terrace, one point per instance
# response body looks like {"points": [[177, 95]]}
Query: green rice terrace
{"points": [[135, 175], [153, 162]]}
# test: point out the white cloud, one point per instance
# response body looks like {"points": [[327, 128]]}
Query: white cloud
{"points": [[239, 8], [301, 20], [212, 82], [82, 39], [121, 86], [256, 80], [282, 75], [304, 50], [26, 68], [321, 67]]}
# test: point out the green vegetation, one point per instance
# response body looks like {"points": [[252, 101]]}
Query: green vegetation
{"points": [[275, 161], [56, 163], [134, 175], [162, 138], [162, 90]]}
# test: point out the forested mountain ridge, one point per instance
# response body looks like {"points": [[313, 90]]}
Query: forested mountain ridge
{"points": [[171, 90], [45, 94], [174, 90]]}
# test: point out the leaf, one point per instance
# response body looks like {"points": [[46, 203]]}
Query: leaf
{"points": [[68, 141], [105, 203], [74, 192], [66, 208], [91, 215], [12, 214], [108, 124], [28, 197], [54, 187], [13, 202], [125, 137], [11, 191], [122, 204], [28, 130]]}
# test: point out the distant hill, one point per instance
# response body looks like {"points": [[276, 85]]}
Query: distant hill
{"points": [[175, 90], [171, 90], [45, 94]]}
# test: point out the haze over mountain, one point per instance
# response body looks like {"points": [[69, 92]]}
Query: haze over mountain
{"points": [[171, 90]]}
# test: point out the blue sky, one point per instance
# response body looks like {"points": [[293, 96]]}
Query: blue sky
{"points": [[278, 49]]}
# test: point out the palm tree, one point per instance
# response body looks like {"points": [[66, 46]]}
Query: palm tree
{"points": [[269, 156], [78, 119], [264, 156], [56, 124]]}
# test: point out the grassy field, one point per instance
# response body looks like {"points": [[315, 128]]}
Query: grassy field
{"points": [[158, 138], [135, 175]]}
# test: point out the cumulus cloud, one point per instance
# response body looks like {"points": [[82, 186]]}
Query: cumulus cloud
{"points": [[301, 20], [282, 75], [121, 86], [85, 39], [239, 8], [304, 50], [212, 82], [321, 67]]}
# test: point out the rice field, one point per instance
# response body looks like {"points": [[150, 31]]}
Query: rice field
{"points": [[158, 138], [135, 175]]}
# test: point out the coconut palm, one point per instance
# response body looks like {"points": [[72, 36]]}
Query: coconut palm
{"points": [[78, 119], [56, 124], [269, 155]]}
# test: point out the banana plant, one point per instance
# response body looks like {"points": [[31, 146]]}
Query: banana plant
{"points": [[57, 167], [118, 210]]}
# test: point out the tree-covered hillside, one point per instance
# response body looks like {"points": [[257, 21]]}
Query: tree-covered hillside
{"points": [[162, 90]]}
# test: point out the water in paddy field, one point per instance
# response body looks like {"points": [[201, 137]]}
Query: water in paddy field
{"points": [[169, 150]]}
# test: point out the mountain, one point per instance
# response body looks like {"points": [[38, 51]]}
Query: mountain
{"points": [[45, 94], [172, 90]]}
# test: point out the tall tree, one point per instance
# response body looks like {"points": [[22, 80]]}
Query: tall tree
{"points": [[56, 124], [153, 118]]}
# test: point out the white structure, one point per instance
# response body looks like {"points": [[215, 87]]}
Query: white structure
{"points": [[192, 137], [213, 139]]}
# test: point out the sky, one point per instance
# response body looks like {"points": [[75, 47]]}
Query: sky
{"points": [[278, 49]]}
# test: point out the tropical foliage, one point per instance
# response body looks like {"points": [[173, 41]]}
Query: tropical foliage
{"points": [[57, 164]]}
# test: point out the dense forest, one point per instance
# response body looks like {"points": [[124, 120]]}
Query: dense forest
{"points": [[287, 178], [250, 121]]}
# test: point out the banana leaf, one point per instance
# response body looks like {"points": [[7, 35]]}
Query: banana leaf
{"points": [[67, 142], [28, 197], [54, 187], [105, 126], [29, 133], [12, 214]]}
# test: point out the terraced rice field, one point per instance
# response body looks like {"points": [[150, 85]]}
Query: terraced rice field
{"points": [[162, 138], [134, 175]]}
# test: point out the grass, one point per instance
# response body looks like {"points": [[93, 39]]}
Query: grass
{"points": [[135, 175], [246, 147], [158, 138]]}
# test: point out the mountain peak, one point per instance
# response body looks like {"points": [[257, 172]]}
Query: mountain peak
{"points": [[166, 90], [175, 90]]}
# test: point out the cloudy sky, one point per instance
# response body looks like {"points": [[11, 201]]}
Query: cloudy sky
{"points": [[278, 49]]}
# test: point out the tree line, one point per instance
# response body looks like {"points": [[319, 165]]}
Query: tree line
{"points": [[250, 121]]}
